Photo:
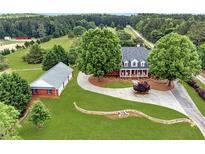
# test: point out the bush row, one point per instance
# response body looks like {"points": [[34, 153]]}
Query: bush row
{"points": [[200, 91]]}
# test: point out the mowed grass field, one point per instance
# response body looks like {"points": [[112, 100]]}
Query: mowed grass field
{"points": [[67, 123], [17, 64]]}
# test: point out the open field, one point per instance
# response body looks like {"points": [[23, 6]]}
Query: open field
{"points": [[17, 64]]}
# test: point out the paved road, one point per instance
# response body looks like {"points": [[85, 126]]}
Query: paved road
{"points": [[189, 107], [151, 45], [201, 78]]}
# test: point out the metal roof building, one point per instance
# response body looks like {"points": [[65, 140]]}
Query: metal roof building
{"points": [[53, 81]]}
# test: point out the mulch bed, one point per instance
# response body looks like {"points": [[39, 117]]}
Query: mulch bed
{"points": [[161, 85]]}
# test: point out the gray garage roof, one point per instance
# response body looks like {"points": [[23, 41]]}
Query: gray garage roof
{"points": [[54, 77], [138, 53]]}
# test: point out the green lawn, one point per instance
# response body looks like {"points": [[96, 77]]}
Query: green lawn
{"points": [[67, 123], [200, 103], [16, 62], [30, 75], [119, 84]]}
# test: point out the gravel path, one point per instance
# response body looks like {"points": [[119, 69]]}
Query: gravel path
{"points": [[161, 98]]}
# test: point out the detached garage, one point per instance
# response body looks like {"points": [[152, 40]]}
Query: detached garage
{"points": [[53, 81]]}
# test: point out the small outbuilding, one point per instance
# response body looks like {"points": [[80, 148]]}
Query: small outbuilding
{"points": [[52, 82]]}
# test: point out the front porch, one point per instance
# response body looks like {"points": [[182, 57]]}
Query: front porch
{"points": [[134, 73]]}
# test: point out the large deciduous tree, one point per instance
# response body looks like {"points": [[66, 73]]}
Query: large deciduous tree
{"points": [[174, 56], [100, 52], [55, 55], [8, 122], [14, 91]]}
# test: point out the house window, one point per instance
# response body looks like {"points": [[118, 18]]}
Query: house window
{"points": [[49, 91], [134, 63], [143, 64], [34, 91], [126, 64]]}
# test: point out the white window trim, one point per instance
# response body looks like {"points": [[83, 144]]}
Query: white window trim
{"points": [[142, 63], [126, 64], [134, 61]]}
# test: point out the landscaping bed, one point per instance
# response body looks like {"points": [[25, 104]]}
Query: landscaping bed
{"points": [[117, 82]]}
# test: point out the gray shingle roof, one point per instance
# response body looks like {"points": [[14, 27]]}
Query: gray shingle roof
{"points": [[138, 53], [54, 77]]}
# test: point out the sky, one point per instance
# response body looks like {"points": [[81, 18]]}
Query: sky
{"points": [[102, 6]]}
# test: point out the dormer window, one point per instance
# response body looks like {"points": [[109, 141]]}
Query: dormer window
{"points": [[126, 64], [142, 63], [134, 63]]}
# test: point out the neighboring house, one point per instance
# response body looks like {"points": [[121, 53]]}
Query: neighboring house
{"points": [[52, 82], [7, 38], [23, 38], [134, 62]]}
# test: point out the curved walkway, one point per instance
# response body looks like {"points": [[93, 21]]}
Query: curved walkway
{"points": [[161, 98]]}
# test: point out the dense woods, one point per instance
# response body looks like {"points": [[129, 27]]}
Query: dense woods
{"points": [[155, 26], [41, 26]]}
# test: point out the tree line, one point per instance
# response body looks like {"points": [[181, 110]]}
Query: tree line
{"points": [[155, 26], [55, 26]]}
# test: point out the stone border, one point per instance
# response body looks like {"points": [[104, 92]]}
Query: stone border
{"points": [[133, 113]]}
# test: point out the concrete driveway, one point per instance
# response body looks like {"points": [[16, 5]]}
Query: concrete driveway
{"points": [[177, 99], [161, 98]]}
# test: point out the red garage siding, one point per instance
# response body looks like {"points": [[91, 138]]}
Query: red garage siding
{"points": [[44, 92]]}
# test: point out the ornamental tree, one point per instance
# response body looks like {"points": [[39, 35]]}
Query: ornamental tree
{"points": [[174, 56], [99, 52], [15, 91], [8, 122], [55, 55], [39, 114]]}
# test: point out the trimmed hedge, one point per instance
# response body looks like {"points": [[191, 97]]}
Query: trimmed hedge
{"points": [[200, 91]]}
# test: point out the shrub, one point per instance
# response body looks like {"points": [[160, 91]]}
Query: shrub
{"points": [[71, 34], [141, 87], [5, 52], [45, 39], [193, 84], [201, 93], [3, 64], [39, 114]]}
